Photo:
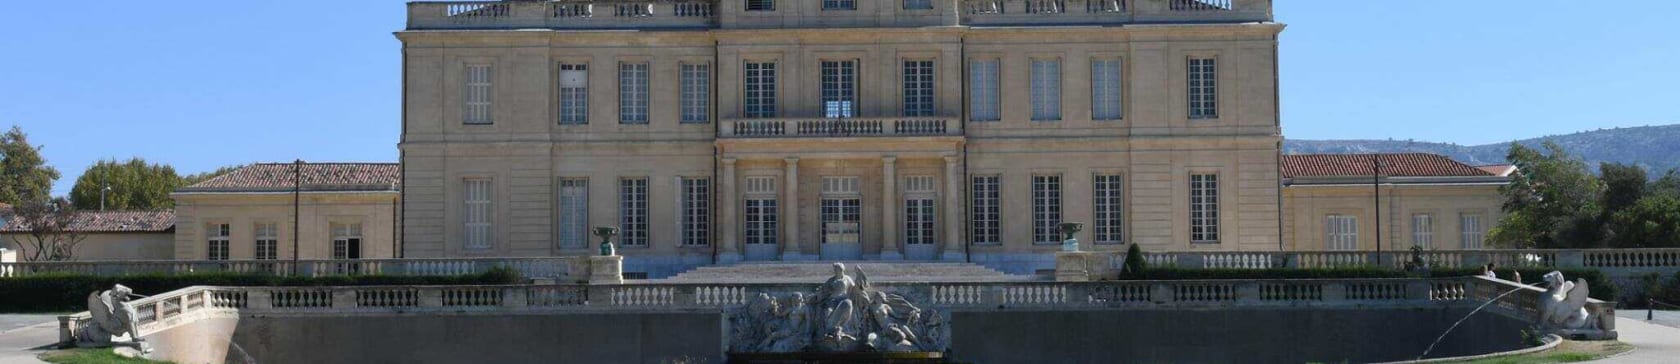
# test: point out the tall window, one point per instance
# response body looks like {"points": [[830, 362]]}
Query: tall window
{"points": [[633, 211], [632, 93], [760, 89], [1047, 208], [841, 210], [761, 5], [217, 247], [984, 192], [983, 90], [1470, 230], [477, 194], [1204, 208], [574, 213], [839, 88], [761, 210], [1341, 232], [1106, 192], [1423, 231], [1203, 88], [839, 4], [347, 240], [574, 93], [1105, 89], [476, 91], [1046, 89], [918, 210], [696, 211], [918, 4], [918, 88], [696, 92], [268, 241]]}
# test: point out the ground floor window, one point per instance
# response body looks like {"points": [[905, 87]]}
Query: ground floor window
{"points": [[1471, 225], [761, 221], [217, 246], [918, 221], [1341, 232], [984, 195], [633, 211], [841, 220], [574, 213], [268, 241], [1108, 220], [1423, 231], [1047, 208]]}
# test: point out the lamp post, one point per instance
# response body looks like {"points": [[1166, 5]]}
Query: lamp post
{"points": [[297, 194], [1376, 199]]}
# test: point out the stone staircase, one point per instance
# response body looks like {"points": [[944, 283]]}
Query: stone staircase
{"points": [[817, 272]]}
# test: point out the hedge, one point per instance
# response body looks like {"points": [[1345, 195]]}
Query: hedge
{"points": [[1602, 287], [68, 292]]}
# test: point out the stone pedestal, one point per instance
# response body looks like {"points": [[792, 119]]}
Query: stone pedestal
{"points": [[606, 269], [1073, 266]]}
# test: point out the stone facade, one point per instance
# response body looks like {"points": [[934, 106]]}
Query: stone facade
{"points": [[340, 211]]}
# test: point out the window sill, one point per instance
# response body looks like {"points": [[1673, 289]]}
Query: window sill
{"points": [[1208, 242]]}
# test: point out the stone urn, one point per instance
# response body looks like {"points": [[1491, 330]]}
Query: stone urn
{"points": [[1069, 244], [606, 233]]}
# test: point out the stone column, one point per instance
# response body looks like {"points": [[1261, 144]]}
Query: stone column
{"points": [[731, 251], [889, 209], [790, 210], [953, 196]]}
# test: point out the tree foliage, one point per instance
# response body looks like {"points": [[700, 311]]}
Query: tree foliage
{"points": [[1547, 200], [195, 178], [24, 174], [47, 233], [132, 185]]}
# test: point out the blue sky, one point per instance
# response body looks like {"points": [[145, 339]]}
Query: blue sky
{"points": [[202, 84]]}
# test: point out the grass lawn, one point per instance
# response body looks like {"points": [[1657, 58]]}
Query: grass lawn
{"points": [[91, 356], [1568, 352]]}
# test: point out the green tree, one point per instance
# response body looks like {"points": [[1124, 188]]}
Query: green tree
{"points": [[1624, 185], [1652, 222], [195, 178], [1552, 201], [24, 175], [132, 185]]}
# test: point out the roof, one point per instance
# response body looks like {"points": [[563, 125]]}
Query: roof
{"points": [[1502, 170], [276, 177], [1393, 165], [112, 222]]}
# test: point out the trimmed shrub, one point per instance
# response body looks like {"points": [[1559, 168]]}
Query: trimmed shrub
{"points": [[66, 292], [1134, 263]]}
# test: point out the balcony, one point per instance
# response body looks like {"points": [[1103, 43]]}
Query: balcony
{"points": [[562, 14], [840, 128]]}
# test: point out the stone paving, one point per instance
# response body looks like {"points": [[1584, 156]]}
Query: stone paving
{"points": [[1656, 341], [22, 337]]}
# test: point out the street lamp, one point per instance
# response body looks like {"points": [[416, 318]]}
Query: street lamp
{"points": [[297, 193], [1376, 199]]}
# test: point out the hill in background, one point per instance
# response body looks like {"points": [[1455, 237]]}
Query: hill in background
{"points": [[1656, 148]]}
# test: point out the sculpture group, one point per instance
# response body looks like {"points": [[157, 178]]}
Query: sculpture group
{"points": [[845, 314]]}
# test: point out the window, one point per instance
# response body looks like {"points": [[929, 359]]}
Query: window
{"points": [[1471, 230], [760, 85], [1204, 208], [1109, 218], [983, 90], [268, 241], [760, 210], [574, 213], [918, 4], [632, 93], [696, 211], [574, 94], [1341, 232], [1203, 88], [476, 91], [918, 88], [477, 193], [761, 5], [217, 248], [839, 4], [984, 192], [1105, 89], [839, 88], [347, 240], [633, 211], [841, 210], [696, 92], [1046, 89], [1423, 231], [1047, 208], [918, 210]]}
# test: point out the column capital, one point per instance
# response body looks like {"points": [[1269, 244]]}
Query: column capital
{"points": [[889, 158], [791, 160], [729, 161], [951, 159]]}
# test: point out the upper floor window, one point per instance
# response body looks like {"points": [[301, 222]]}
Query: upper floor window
{"points": [[475, 219], [1204, 208], [1105, 89], [760, 89], [633, 93], [983, 90], [761, 5], [839, 89], [1202, 83], [217, 246], [696, 92], [918, 88], [1341, 232], [839, 4], [1046, 89], [918, 4], [574, 94], [476, 91]]}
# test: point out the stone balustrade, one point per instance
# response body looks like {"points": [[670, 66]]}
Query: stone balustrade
{"points": [[632, 14], [558, 268], [1609, 260], [839, 128]]}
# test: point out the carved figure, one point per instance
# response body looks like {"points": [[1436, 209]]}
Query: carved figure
{"points": [[1564, 304], [112, 316], [850, 316]]}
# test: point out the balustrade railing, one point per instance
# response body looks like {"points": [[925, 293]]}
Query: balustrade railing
{"points": [[633, 14], [848, 127], [559, 268], [1609, 260], [613, 14]]}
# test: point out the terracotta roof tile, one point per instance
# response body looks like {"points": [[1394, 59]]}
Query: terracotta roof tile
{"points": [[1394, 165], [268, 177], [111, 222]]}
